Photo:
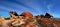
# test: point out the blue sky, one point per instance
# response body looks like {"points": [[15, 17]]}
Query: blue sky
{"points": [[36, 7]]}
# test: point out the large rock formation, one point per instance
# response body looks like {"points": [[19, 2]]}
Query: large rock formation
{"points": [[26, 14], [26, 19], [47, 15]]}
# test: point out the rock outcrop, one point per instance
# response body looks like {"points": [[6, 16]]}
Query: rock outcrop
{"points": [[26, 19], [26, 14]]}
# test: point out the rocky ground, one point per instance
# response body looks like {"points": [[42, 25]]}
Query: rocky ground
{"points": [[26, 19]]}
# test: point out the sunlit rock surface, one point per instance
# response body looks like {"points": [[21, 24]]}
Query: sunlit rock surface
{"points": [[26, 19]]}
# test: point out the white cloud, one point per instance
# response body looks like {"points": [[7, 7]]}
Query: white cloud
{"points": [[49, 7]]}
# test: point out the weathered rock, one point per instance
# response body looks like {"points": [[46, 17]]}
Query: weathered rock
{"points": [[47, 15], [26, 14], [26, 19]]}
